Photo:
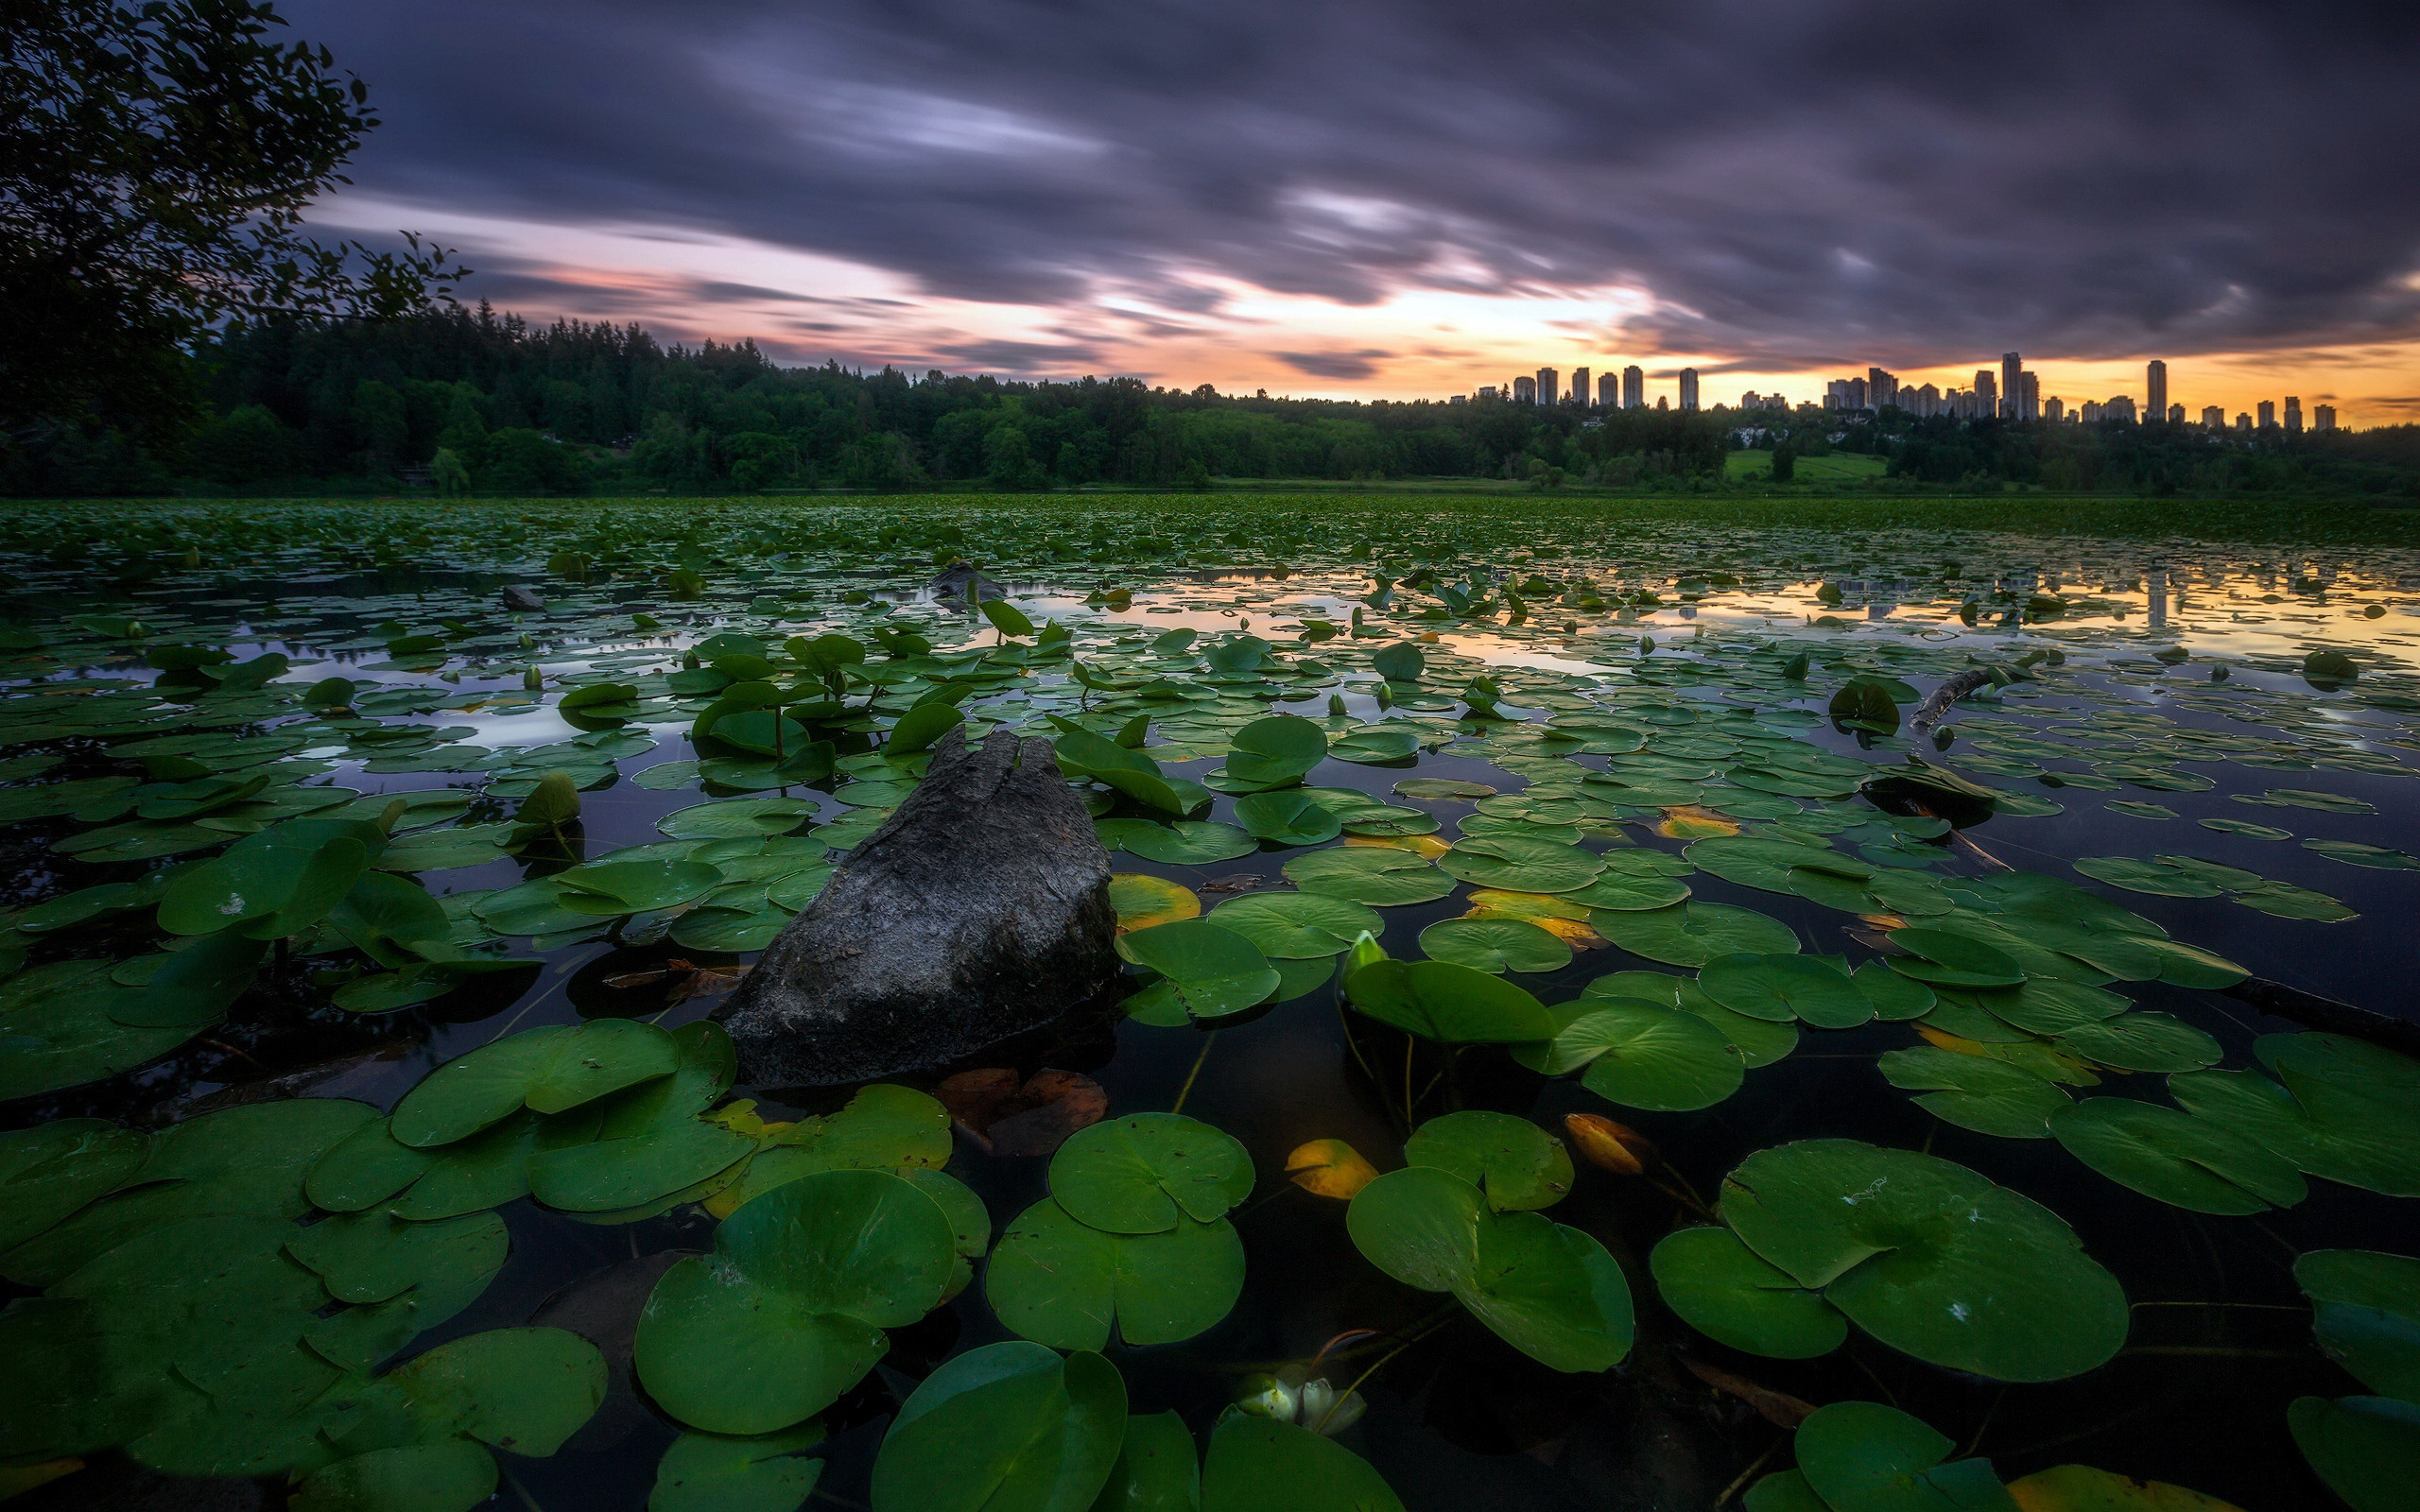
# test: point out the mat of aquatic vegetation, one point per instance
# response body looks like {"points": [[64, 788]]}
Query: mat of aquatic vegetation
{"points": [[1598, 1035]]}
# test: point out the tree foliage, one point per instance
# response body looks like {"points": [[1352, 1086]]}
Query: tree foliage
{"points": [[155, 162]]}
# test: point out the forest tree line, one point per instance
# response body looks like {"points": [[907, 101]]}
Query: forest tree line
{"points": [[463, 399]]}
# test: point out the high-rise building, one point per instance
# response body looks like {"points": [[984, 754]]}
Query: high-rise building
{"points": [[2121, 408], [1987, 389], [2243, 423], [2293, 415], [1926, 402], [1881, 388], [2268, 409], [2155, 391], [2176, 414], [1690, 392], [1579, 386], [2213, 418], [2054, 409], [2028, 397], [1545, 385], [1633, 388], [2011, 366], [2322, 417], [2092, 411], [1608, 389], [1524, 391], [1487, 390]]}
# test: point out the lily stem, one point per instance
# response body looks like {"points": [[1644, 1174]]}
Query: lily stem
{"points": [[1186, 1090]]}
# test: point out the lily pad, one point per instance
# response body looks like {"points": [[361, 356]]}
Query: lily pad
{"points": [[1516, 863], [1976, 1091], [1058, 1282], [2367, 1448], [1141, 1173], [1261, 1465], [1210, 971], [1643, 1054], [1454, 1005], [1381, 876], [2176, 1158], [1779, 988], [1519, 1165], [788, 1311], [1494, 945], [1864, 1456], [1692, 934], [1548, 1291], [1722, 1288], [1930, 1257], [1298, 926], [545, 1069], [736, 816], [1008, 1427], [1186, 843], [1290, 817]]}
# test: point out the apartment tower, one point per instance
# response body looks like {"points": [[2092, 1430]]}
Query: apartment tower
{"points": [[2155, 394], [2011, 366], [1633, 388], [1689, 393]]}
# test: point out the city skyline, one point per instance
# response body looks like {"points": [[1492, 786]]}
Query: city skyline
{"points": [[2014, 392]]}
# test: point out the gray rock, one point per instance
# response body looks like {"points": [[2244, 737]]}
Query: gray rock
{"points": [[523, 600], [978, 911], [962, 581]]}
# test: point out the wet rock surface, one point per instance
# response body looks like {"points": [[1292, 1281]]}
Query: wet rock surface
{"points": [[978, 911]]}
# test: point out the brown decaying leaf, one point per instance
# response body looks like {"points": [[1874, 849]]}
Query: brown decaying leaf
{"points": [[686, 981], [1240, 882], [1615, 1147], [1778, 1408], [1011, 1120], [1329, 1168]]}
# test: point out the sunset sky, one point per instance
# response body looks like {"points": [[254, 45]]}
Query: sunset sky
{"points": [[1403, 201]]}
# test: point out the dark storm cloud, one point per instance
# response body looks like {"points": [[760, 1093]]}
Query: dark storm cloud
{"points": [[1836, 181], [1333, 364]]}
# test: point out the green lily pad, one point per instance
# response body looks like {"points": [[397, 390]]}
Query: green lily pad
{"points": [[788, 1311], [1548, 1291], [1519, 1165], [1454, 1005], [1720, 1287], [1287, 818], [1862, 1456], [1187, 843], [245, 1161], [2367, 1448], [736, 816], [714, 1472], [1211, 972], [1785, 986], [1058, 1282], [1494, 945], [1008, 1427], [2176, 1158], [1942, 959], [1976, 1091], [2143, 1041], [2367, 1315], [369, 1257], [1261, 1465], [610, 887], [1380, 876], [2347, 1110], [1642, 1055], [51, 1170], [1140, 1174], [1692, 934], [1517, 864], [1298, 926], [1627, 893], [1930, 1257], [1277, 751], [545, 1069]]}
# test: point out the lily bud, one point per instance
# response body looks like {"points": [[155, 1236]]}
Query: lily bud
{"points": [[1265, 1396], [1615, 1147]]}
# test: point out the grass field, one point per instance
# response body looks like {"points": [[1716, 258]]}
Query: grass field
{"points": [[1836, 467]]}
